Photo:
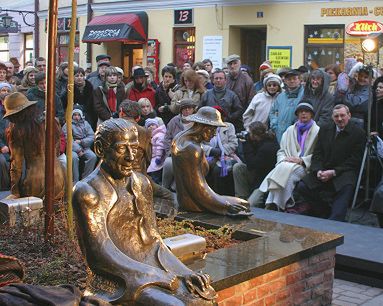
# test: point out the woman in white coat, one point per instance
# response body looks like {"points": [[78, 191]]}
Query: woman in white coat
{"points": [[293, 158]]}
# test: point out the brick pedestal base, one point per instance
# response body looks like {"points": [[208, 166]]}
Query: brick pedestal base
{"points": [[306, 282]]}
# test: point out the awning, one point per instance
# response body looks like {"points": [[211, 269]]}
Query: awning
{"points": [[126, 27]]}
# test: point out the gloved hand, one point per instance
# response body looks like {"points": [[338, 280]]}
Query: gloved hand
{"points": [[215, 152]]}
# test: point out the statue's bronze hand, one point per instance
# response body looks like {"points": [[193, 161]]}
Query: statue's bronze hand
{"points": [[199, 283]]}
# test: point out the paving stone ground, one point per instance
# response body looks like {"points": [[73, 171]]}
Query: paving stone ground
{"points": [[353, 294]]}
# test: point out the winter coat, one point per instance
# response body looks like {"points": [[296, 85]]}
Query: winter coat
{"points": [[61, 86], [229, 102], [259, 108], [342, 154], [174, 127], [85, 99], [356, 98], [260, 158], [322, 102], [279, 176], [81, 130], [96, 81], [243, 86], [100, 101], [162, 99], [35, 94], [147, 92], [228, 139], [183, 93], [282, 113], [158, 149]]}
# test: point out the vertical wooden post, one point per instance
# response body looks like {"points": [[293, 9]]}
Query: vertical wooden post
{"points": [[68, 117], [50, 120]]}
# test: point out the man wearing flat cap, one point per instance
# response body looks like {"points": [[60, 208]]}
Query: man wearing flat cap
{"points": [[101, 58], [98, 80], [334, 166], [239, 82]]}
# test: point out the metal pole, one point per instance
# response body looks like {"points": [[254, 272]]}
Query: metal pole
{"points": [[69, 109], [50, 120]]}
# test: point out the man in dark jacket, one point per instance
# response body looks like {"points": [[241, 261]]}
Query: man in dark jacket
{"points": [[239, 82], [260, 156], [37, 93], [221, 96], [335, 164]]}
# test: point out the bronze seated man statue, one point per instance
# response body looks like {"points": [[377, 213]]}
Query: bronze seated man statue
{"points": [[118, 232], [190, 167]]}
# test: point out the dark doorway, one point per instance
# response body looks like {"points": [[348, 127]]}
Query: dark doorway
{"points": [[253, 48], [132, 55]]}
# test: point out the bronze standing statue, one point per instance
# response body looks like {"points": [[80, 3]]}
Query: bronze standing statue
{"points": [[26, 135], [190, 168], [118, 232]]}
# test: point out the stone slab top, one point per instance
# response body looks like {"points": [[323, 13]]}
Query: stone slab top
{"points": [[272, 245]]}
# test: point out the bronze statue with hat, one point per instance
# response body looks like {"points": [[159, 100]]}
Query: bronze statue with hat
{"points": [[27, 145], [119, 237], [191, 166]]}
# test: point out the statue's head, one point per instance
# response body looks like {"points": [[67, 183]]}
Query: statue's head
{"points": [[116, 142]]}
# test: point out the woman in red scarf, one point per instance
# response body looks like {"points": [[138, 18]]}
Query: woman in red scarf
{"points": [[108, 97]]}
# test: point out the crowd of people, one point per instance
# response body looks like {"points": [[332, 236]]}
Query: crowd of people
{"points": [[293, 140]]}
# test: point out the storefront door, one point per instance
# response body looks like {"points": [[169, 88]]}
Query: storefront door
{"points": [[132, 56], [253, 48]]}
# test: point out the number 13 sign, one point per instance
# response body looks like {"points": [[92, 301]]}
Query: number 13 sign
{"points": [[183, 17]]}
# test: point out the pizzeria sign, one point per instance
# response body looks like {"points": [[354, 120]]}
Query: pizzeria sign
{"points": [[364, 28]]}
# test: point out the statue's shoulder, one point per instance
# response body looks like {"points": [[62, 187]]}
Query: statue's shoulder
{"points": [[85, 194]]}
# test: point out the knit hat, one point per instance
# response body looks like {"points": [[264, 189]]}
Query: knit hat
{"points": [[272, 78], [151, 121], [78, 109], [304, 106], [139, 72], [29, 69], [4, 84], [119, 70], [265, 65]]}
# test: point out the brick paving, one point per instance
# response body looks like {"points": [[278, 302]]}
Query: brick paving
{"points": [[353, 294]]}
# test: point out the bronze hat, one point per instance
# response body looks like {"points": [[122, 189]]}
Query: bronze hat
{"points": [[15, 103], [207, 115]]}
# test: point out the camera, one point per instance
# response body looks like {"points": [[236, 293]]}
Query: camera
{"points": [[175, 87], [243, 135]]}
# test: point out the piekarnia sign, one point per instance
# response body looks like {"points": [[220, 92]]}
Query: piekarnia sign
{"points": [[364, 28], [102, 34]]}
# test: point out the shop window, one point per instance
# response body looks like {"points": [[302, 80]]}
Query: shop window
{"points": [[63, 48], [4, 48], [28, 48], [183, 45], [324, 45]]}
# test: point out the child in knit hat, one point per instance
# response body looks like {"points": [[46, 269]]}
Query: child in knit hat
{"points": [[158, 132]]}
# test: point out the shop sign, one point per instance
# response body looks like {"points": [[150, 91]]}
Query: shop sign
{"points": [[14, 28], [279, 57], [364, 28], [351, 11], [183, 17]]}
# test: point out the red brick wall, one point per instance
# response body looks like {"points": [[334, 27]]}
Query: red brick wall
{"points": [[307, 282]]}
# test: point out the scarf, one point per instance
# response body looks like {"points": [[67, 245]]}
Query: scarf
{"points": [[302, 131], [219, 93], [214, 142], [112, 100]]}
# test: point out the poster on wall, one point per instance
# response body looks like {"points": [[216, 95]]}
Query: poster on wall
{"points": [[280, 57], [212, 49]]}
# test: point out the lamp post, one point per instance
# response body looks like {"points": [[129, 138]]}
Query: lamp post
{"points": [[8, 19]]}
